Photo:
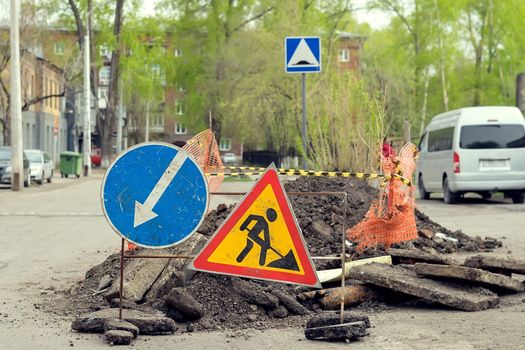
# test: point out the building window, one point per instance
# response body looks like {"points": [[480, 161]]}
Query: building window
{"points": [[179, 107], [177, 52], [344, 55], [104, 74], [158, 120], [59, 48], [155, 69], [104, 51], [102, 93], [180, 129], [225, 144]]}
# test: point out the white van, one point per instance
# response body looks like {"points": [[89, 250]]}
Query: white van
{"points": [[475, 149]]}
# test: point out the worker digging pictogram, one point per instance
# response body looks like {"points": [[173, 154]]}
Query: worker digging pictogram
{"points": [[262, 226]]}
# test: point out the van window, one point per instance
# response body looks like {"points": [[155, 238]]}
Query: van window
{"points": [[440, 140], [492, 136], [423, 143]]}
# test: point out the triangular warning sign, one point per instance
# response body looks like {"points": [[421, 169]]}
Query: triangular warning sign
{"points": [[260, 239], [303, 56]]}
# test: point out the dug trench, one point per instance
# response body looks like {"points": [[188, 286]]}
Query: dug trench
{"points": [[204, 301]]}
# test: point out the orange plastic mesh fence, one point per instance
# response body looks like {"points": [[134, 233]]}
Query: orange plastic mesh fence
{"points": [[391, 218], [204, 149]]}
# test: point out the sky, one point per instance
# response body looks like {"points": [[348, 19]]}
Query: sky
{"points": [[376, 19]]}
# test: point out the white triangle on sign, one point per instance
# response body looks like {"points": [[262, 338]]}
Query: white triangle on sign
{"points": [[303, 56]]}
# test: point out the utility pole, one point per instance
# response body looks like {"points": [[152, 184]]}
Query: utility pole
{"points": [[120, 117], [146, 136], [17, 151], [86, 145]]}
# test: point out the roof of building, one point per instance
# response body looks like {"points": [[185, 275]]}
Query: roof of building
{"points": [[348, 35]]}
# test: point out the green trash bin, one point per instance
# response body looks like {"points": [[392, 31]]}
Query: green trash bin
{"points": [[70, 163]]}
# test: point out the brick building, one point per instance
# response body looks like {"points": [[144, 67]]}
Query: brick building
{"points": [[43, 123]]}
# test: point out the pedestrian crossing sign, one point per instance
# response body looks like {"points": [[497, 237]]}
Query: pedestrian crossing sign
{"points": [[302, 54], [260, 239]]}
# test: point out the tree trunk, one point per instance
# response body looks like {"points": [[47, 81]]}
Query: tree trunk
{"points": [[113, 95], [441, 59], [520, 85]]}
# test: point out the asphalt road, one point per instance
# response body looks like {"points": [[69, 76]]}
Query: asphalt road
{"points": [[51, 234]]}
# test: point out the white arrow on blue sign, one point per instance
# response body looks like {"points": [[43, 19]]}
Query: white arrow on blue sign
{"points": [[302, 54], [155, 195]]}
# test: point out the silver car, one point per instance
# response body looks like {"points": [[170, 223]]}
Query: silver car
{"points": [[6, 170], [41, 165]]}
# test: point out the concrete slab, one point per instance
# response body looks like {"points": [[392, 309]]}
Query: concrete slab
{"points": [[411, 256], [469, 274], [495, 263], [121, 325], [403, 280], [337, 332], [175, 274], [147, 323], [119, 337], [141, 275]]}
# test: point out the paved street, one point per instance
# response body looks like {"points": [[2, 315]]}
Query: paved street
{"points": [[51, 234]]}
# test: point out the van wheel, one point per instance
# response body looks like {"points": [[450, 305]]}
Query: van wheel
{"points": [[518, 197], [449, 197], [423, 194]]}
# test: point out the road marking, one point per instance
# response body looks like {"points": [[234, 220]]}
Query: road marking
{"points": [[144, 211]]}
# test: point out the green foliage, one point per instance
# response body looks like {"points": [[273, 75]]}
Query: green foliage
{"points": [[435, 55]]}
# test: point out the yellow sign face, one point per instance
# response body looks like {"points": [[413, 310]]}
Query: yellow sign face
{"points": [[229, 250], [260, 239]]}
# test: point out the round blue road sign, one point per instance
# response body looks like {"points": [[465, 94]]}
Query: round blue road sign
{"points": [[155, 195]]}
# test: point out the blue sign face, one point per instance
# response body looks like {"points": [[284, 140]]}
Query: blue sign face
{"points": [[155, 195], [302, 54]]}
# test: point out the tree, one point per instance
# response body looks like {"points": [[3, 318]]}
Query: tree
{"points": [[30, 32]]}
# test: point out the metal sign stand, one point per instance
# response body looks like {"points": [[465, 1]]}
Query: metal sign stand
{"points": [[124, 256]]}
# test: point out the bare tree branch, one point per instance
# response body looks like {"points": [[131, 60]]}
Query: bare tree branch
{"points": [[251, 19]]}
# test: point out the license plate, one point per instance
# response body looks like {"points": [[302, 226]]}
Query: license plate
{"points": [[494, 164]]}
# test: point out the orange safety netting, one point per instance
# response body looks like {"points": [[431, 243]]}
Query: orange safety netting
{"points": [[391, 218], [204, 149]]}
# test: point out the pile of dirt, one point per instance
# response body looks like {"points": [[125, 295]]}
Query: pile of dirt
{"points": [[226, 302], [321, 220]]}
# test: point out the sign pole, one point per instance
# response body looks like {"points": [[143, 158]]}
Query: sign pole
{"points": [[305, 149], [86, 130], [303, 55]]}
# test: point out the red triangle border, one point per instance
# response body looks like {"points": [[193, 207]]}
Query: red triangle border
{"points": [[270, 177]]}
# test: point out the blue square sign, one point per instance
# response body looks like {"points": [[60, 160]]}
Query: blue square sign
{"points": [[302, 54]]}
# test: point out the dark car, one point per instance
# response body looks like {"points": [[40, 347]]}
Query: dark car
{"points": [[5, 167]]}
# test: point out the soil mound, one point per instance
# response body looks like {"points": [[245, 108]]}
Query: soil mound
{"points": [[225, 302]]}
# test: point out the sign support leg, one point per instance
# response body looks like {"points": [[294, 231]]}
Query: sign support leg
{"points": [[305, 156], [343, 257], [121, 289]]}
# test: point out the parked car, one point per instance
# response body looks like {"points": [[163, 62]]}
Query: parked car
{"points": [[6, 169], [229, 159], [41, 165], [476, 149]]}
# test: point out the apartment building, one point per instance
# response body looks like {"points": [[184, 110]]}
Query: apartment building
{"points": [[43, 123]]}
